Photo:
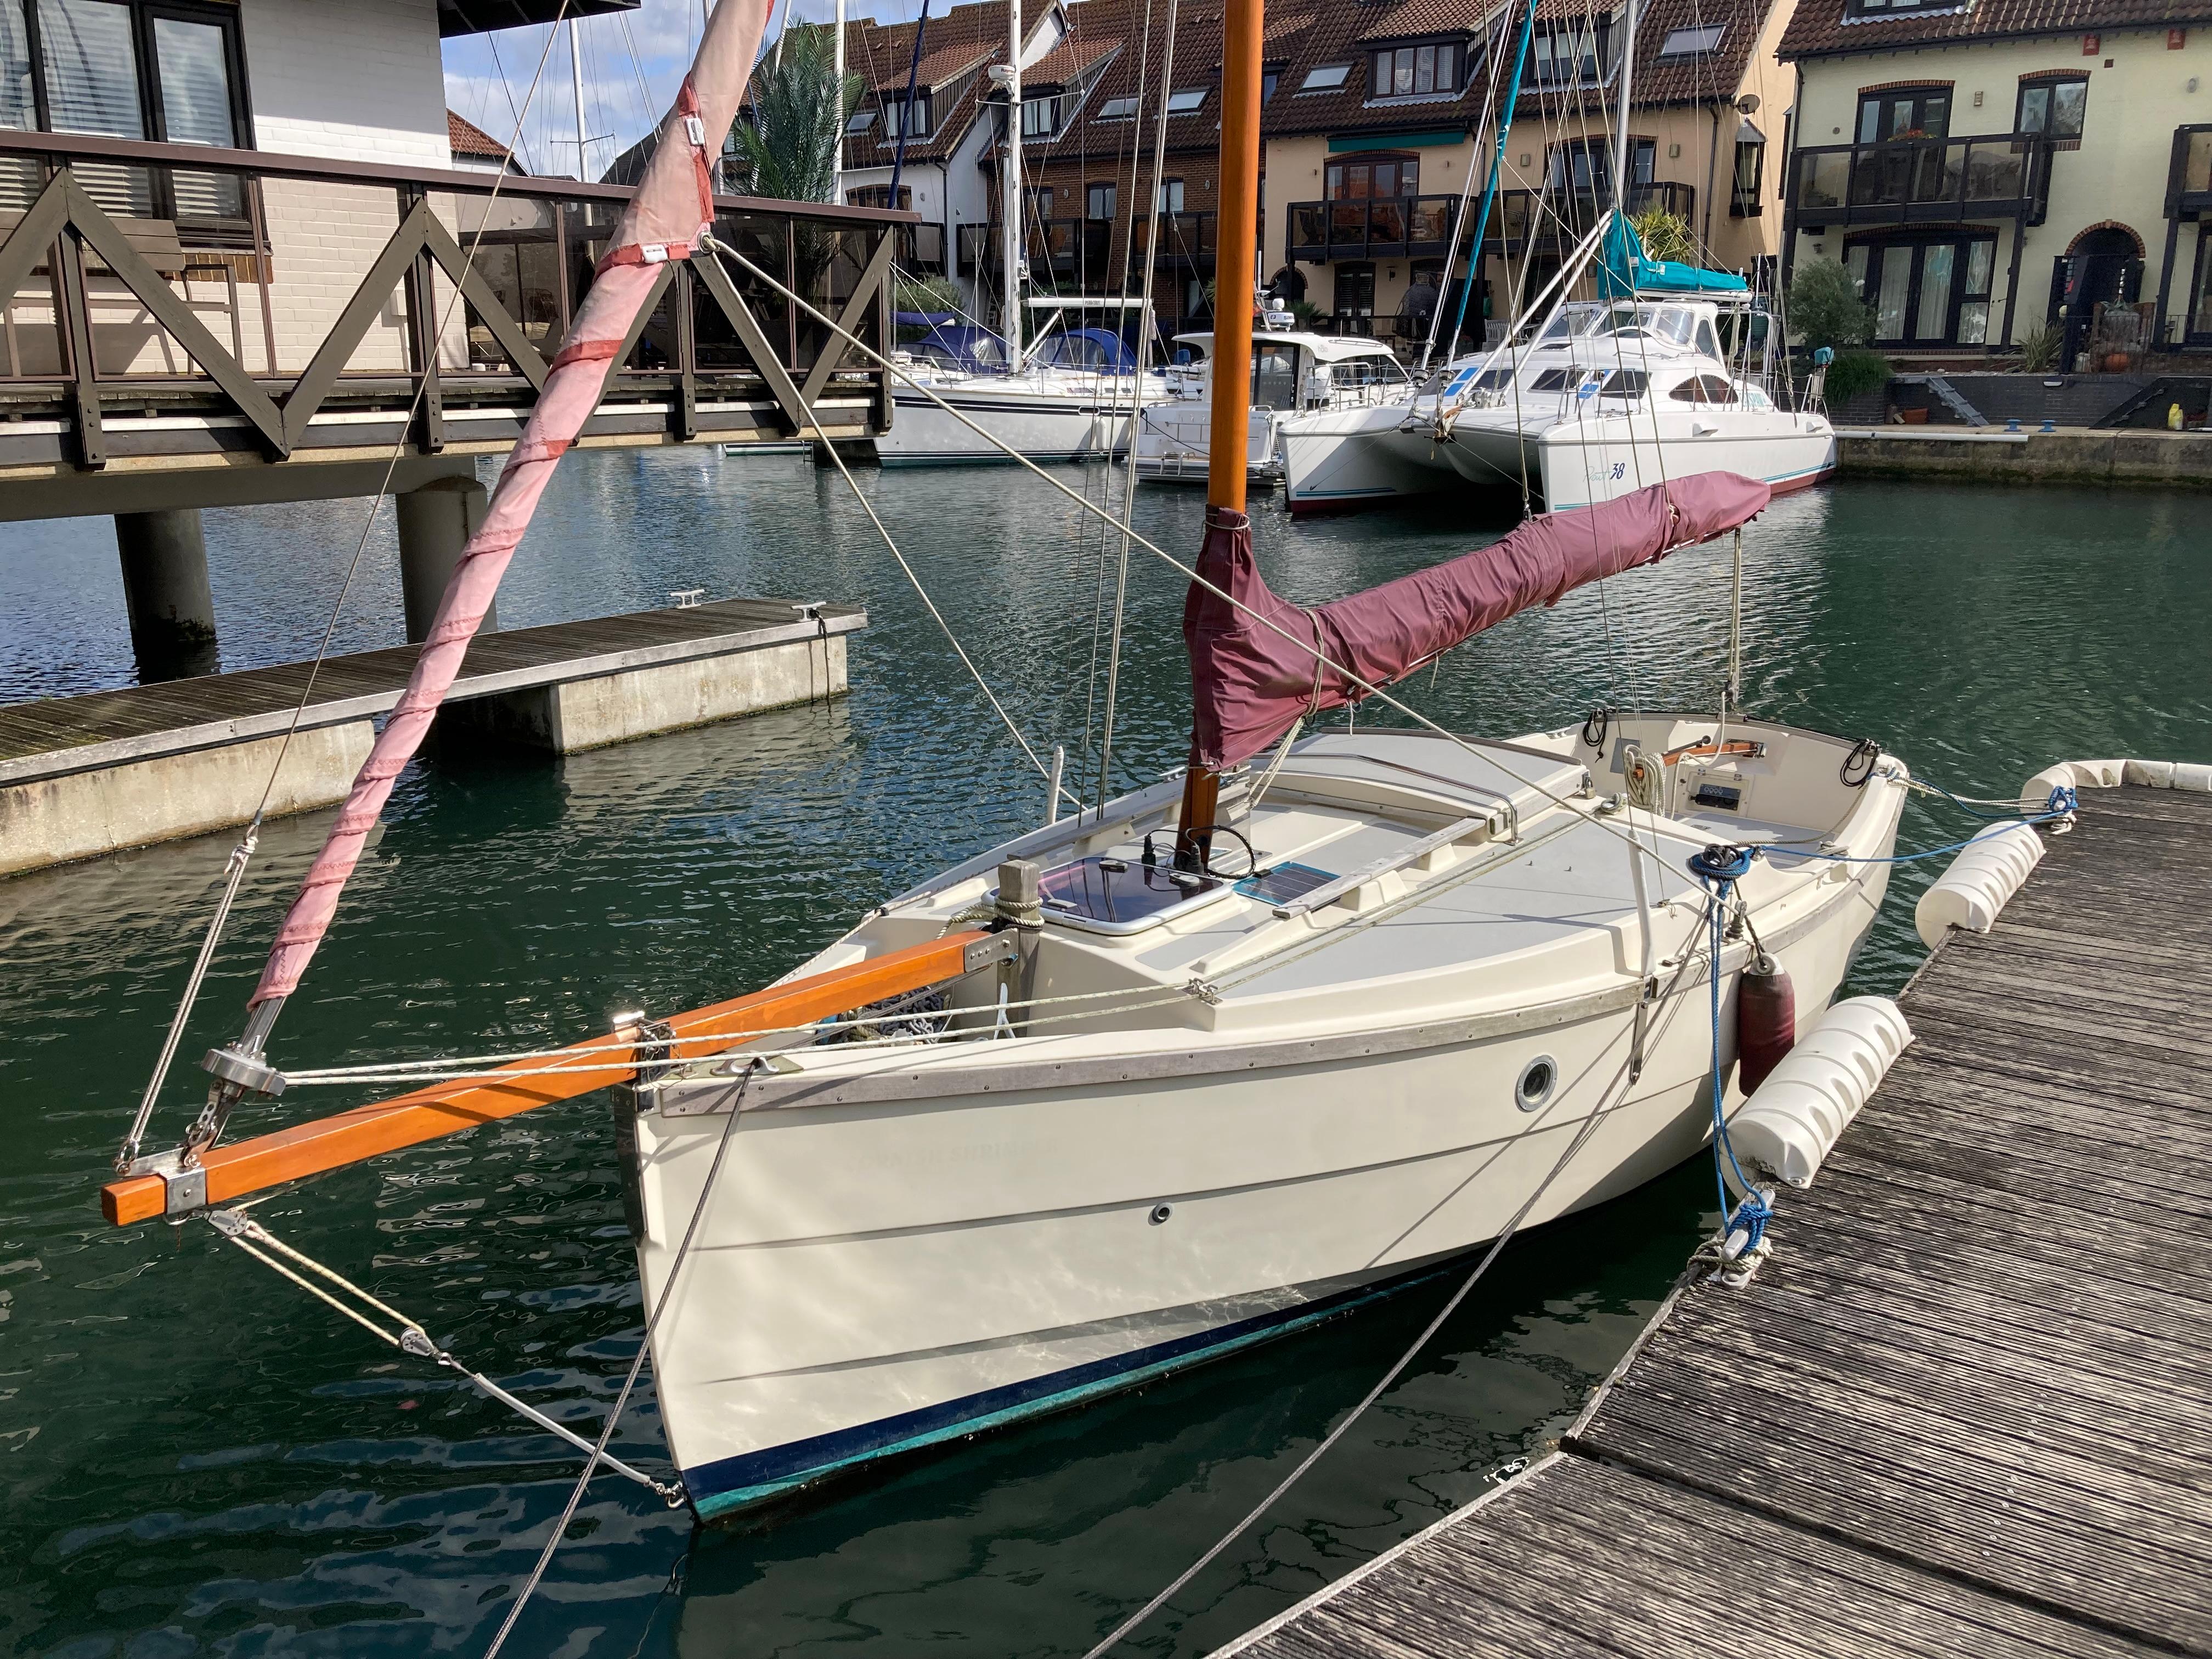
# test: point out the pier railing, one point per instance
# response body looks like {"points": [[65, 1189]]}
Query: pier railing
{"points": [[167, 301]]}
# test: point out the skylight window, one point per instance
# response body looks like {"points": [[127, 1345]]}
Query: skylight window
{"points": [[1116, 109], [861, 120], [1692, 42], [1181, 103], [1327, 78]]}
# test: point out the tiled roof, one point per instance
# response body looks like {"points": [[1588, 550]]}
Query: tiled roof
{"points": [[1067, 61], [1342, 35], [466, 138], [1820, 28], [958, 45], [1197, 69], [1419, 17]]}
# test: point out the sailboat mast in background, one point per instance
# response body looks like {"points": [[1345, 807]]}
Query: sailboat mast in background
{"points": [[1011, 213], [1239, 230]]}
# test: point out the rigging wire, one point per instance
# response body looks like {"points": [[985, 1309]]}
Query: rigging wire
{"points": [[637, 1365], [1129, 483], [1472, 745], [241, 855]]}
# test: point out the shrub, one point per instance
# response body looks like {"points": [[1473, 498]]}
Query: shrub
{"points": [[2039, 351], [1826, 310], [925, 293], [1854, 371], [1665, 235]]}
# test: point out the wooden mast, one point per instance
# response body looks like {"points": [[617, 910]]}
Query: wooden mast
{"points": [[1238, 235]]}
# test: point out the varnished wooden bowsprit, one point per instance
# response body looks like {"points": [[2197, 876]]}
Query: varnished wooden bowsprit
{"points": [[1964, 1409], [444, 1109]]}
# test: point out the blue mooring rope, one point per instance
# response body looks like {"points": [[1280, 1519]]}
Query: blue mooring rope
{"points": [[1718, 868], [2061, 803]]}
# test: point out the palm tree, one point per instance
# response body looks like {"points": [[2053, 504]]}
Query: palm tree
{"points": [[787, 141]]}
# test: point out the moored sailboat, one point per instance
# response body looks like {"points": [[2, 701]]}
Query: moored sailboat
{"points": [[1198, 1066]]}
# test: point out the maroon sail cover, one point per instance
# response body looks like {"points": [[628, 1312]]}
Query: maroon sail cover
{"points": [[1248, 682]]}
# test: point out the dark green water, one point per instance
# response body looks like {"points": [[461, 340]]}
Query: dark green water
{"points": [[195, 1458]]}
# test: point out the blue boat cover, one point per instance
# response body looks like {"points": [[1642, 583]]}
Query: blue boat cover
{"points": [[1623, 269]]}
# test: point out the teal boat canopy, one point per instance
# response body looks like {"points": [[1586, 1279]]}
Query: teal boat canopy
{"points": [[1623, 270]]}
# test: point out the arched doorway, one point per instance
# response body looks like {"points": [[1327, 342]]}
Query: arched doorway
{"points": [[2103, 265]]}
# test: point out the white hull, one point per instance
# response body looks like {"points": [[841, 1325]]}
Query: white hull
{"points": [[1350, 463], [1173, 443], [907, 1245], [1581, 463], [1084, 418]]}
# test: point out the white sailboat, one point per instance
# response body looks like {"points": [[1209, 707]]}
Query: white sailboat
{"points": [[1606, 398], [1196, 1067], [1594, 401], [1292, 373]]}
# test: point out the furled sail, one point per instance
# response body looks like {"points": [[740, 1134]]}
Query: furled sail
{"points": [[664, 220], [1248, 682], [1626, 271]]}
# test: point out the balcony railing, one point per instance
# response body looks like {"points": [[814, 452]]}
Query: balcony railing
{"points": [[1937, 179], [1414, 226], [1371, 228], [1185, 239], [1556, 219], [173, 301]]}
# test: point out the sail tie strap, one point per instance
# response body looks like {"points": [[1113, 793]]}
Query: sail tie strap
{"points": [[264, 1247]]}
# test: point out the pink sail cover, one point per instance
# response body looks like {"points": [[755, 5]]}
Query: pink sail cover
{"points": [[664, 220], [1249, 683]]}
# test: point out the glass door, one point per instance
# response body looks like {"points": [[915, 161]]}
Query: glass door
{"points": [[197, 104]]}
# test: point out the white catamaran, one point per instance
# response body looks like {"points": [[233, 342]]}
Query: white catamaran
{"points": [[1194, 1067]]}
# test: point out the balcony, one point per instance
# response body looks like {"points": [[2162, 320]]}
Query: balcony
{"points": [[177, 305], [1186, 241], [1553, 221], [1909, 181], [1371, 228]]}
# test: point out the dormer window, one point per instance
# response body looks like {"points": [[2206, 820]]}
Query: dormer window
{"points": [[1414, 71], [1568, 52], [909, 117], [1041, 115]]}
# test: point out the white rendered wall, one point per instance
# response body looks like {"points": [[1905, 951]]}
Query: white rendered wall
{"points": [[361, 81]]}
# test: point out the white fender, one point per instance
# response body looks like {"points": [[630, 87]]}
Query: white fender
{"points": [[2110, 774], [1792, 1123], [1987, 871]]}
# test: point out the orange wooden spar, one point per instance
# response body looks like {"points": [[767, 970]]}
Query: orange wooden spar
{"points": [[443, 1108]]}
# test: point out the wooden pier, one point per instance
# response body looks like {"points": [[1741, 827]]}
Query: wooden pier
{"points": [[1966, 1408], [84, 775]]}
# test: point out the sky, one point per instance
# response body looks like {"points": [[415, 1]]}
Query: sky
{"points": [[632, 62]]}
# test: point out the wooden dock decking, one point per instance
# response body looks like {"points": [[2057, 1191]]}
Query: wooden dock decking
{"points": [[64, 735], [1966, 1408]]}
